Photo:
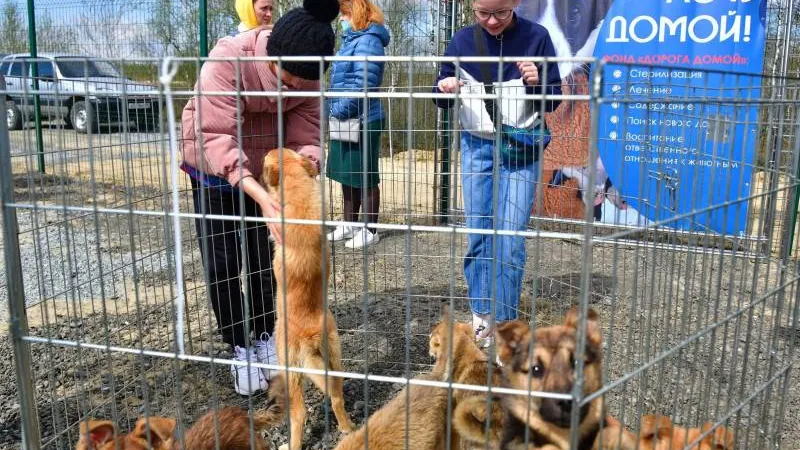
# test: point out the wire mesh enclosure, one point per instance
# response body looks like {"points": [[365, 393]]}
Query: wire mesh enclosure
{"points": [[112, 307], [112, 303]]}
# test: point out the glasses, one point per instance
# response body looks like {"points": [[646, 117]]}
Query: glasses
{"points": [[499, 14]]}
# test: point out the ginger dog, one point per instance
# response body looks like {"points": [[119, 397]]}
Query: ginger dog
{"points": [[230, 425], [468, 365], [388, 429], [427, 407], [544, 361], [658, 433], [303, 326]]}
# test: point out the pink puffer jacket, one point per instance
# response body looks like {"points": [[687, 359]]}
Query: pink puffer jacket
{"points": [[226, 153]]}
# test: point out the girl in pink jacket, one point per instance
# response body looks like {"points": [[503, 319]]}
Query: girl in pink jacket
{"points": [[225, 138]]}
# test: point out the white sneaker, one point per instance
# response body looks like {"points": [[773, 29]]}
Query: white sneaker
{"points": [[265, 353], [247, 380], [340, 233], [362, 238], [484, 334]]}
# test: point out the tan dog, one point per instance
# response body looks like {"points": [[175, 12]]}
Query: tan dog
{"points": [[387, 428], [544, 361], [658, 433], [231, 426], [468, 365], [425, 406], [301, 265]]}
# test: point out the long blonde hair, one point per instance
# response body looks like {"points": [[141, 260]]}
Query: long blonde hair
{"points": [[361, 12]]}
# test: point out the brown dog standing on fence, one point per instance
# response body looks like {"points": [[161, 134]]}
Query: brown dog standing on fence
{"points": [[229, 427], [658, 433], [305, 329], [544, 360]]}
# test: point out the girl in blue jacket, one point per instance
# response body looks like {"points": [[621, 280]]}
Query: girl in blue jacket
{"points": [[363, 34]]}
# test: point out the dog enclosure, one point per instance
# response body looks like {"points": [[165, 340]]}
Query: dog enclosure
{"points": [[108, 302]]}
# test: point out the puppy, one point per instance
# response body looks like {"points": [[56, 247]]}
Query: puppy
{"points": [[301, 264], [468, 365], [417, 414], [230, 427], [658, 433], [544, 360], [427, 407]]}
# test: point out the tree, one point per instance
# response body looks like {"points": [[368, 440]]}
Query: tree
{"points": [[12, 29], [102, 29]]}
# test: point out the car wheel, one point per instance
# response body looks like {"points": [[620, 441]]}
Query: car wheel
{"points": [[13, 116], [79, 117]]}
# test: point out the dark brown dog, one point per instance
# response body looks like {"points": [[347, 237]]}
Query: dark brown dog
{"points": [[545, 361]]}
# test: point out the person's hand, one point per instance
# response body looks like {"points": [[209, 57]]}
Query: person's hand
{"points": [[270, 207], [449, 85], [530, 74], [272, 210]]}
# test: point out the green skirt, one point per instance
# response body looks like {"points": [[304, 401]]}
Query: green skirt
{"points": [[348, 160]]}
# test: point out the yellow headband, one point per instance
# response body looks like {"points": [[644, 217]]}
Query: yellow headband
{"points": [[247, 14]]}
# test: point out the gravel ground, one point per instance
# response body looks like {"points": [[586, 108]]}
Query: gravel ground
{"points": [[109, 282]]}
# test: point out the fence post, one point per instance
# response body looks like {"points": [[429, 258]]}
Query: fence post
{"points": [[18, 320], [37, 106], [203, 28], [448, 15]]}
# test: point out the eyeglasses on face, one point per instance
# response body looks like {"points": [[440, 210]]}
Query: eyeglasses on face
{"points": [[499, 14]]}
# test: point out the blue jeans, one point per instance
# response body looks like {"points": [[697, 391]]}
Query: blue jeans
{"points": [[515, 193]]}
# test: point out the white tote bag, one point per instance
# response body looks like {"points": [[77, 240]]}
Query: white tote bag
{"points": [[345, 130]]}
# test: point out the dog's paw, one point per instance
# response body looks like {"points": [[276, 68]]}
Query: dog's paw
{"points": [[347, 427], [284, 447]]}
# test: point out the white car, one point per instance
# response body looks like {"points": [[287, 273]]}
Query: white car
{"points": [[84, 92]]}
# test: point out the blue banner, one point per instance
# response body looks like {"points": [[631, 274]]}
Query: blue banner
{"points": [[677, 129]]}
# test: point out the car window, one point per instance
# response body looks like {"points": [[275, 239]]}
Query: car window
{"points": [[4, 67], [17, 68], [44, 69], [87, 68]]}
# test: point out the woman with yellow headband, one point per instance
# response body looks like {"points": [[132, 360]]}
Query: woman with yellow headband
{"points": [[253, 14]]}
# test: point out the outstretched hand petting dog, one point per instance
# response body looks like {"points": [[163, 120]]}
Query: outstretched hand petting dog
{"points": [[269, 205]]}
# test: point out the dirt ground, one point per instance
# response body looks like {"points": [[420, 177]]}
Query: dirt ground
{"points": [[696, 336]]}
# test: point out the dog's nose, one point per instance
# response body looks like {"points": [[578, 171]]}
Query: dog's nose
{"points": [[565, 405]]}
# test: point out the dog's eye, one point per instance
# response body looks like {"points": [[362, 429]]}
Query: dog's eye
{"points": [[572, 362], [537, 371]]}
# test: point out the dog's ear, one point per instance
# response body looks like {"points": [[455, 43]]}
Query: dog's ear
{"points": [[270, 176], [594, 339], [721, 439], [437, 339], [161, 430], [95, 433], [513, 338], [309, 166], [655, 427]]}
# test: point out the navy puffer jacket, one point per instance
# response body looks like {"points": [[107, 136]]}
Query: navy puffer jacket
{"points": [[352, 76]]}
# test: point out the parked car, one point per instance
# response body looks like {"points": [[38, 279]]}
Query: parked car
{"points": [[84, 92]]}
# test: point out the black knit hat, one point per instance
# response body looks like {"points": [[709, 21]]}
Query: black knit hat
{"points": [[305, 31]]}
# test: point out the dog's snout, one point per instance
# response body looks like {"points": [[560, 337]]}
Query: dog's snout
{"points": [[555, 411]]}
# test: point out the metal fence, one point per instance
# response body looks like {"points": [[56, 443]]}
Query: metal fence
{"points": [[695, 327], [111, 317]]}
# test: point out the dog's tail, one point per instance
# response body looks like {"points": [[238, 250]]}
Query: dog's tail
{"points": [[273, 413], [470, 419]]}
